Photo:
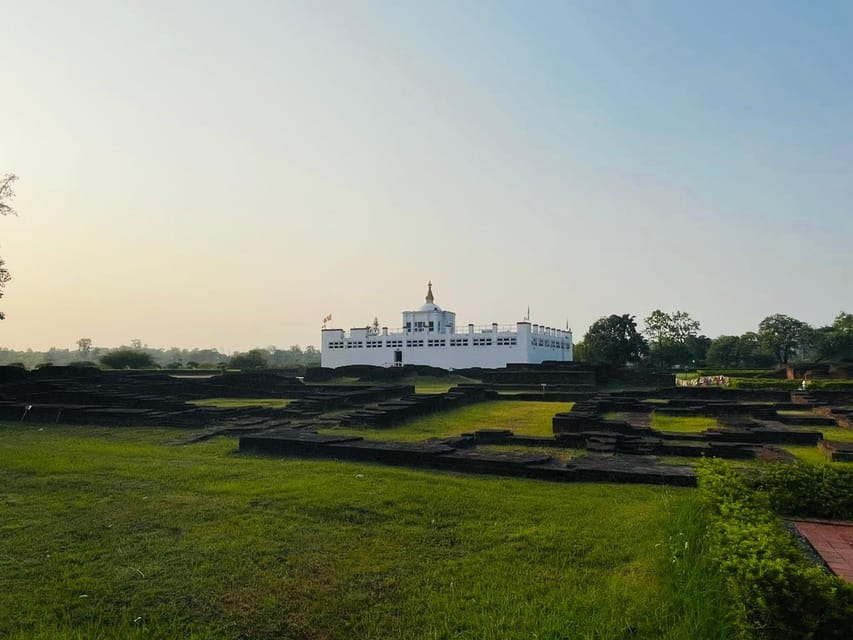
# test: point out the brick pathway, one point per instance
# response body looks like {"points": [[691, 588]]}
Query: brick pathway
{"points": [[833, 540]]}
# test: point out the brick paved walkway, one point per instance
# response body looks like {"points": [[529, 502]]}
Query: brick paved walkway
{"points": [[833, 540]]}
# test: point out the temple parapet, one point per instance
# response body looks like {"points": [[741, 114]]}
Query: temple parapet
{"points": [[431, 336]]}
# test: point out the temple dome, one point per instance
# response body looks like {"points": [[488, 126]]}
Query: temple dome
{"points": [[430, 300]]}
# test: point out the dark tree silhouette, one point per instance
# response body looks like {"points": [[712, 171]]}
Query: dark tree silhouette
{"points": [[784, 336], [6, 195], [615, 340], [253, 359], [126, 358]]}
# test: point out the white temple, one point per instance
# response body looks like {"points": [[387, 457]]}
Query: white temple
{"points": [[429, 336]]}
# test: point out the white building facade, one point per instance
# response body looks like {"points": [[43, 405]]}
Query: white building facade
{"points": [[429, 336]]}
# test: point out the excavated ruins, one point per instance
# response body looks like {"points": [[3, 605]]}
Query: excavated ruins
{"points": [[750, 424]]}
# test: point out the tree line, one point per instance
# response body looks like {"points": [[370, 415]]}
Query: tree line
{"points": [[137, 355], [674, 340]]}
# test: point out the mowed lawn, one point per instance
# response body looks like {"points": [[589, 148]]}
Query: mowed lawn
{"points": [[117, 533], [685, 424], [523, 418], [238, 403]]}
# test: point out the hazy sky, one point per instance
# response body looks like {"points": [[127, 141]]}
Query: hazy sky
{"points": [[226, 174]]}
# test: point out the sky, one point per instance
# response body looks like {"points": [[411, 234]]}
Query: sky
{"points": [[225, 175]]}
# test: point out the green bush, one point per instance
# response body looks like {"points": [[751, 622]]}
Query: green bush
{"points": [[764, 383], [83, 364], [813, 490], [127, 358], [775, 592], [830, 385], [737, 373], [254, 359]]}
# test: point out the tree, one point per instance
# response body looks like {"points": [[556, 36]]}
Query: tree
{"points": [[6, 195], [254, 359], [5, 276], [697, 348], [784, 336], [724, 352], [843, 323], [674, 338], [84, 346], [125, 358], [615, 340], [835, 342]]}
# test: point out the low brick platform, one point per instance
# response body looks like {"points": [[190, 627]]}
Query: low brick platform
{"points": [[833, 540], [448, 454]]}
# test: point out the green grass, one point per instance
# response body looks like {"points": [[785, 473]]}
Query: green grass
{"points": [[236, 403], [558, 453], [336, 381], [422, 384], [680, 460], [807, 453], [839, 434], [523, 418], [113, 534], [695, 585], [430, 384], [686, 424]]}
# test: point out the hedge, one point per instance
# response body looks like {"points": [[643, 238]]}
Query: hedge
{"points": [[776, 593], [740, 373], [764, 383], [812, 490], [789, 385]]}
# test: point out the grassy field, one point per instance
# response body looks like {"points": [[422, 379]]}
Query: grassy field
{"points": [[808, 454], [686, 424], [236, 403], [422, 384], [111, 533], [813, 454], [523, 418], [837, 433], [428, 384], [558, 453]]}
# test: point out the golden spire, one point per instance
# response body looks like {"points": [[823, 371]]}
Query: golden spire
{"points": [[429, 297]]}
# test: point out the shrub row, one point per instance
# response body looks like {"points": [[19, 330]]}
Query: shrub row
{"points": [[764, 383], [775, 592], [790, 385], [813, 490], [830, 385], [741, 373]]}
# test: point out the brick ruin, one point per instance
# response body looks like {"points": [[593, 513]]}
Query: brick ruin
{"points": [[750, 424]]}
